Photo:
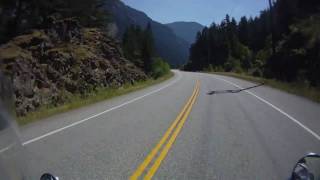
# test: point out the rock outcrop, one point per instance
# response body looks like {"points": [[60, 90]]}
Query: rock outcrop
{"points": [[46, 65]]}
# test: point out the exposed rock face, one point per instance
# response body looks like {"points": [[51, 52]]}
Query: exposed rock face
{"points": [[47, 65]]}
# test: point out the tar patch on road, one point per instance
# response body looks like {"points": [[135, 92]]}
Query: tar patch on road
{"points": [[233, 90]]}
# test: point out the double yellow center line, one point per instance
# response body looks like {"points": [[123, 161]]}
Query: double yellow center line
{"points": [[172, 134]]}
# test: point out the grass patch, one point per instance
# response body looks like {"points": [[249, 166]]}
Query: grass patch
{"points": [[11, 51], [76, 101], [294, 88]]}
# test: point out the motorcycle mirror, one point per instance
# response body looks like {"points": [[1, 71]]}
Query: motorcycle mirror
{"points": [[48, 176], [307, 168]]}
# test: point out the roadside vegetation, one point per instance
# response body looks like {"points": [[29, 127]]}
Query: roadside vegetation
{"points": [[60, 56], [78, 100], [281, 46], [138, 46]]}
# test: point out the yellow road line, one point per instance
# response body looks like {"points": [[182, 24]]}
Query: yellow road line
{"points": [[167, 147], [151, 155]]}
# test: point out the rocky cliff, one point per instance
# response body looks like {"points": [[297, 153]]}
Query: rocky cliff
{"points": [[49, 64]]}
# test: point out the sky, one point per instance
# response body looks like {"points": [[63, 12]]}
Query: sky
{"points": [[202, 11]]}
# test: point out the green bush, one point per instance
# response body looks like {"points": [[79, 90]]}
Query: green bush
{"points": [[262, 56], [159, 68], [218, 69], [233, 65], [209, 68], [257, 72]]}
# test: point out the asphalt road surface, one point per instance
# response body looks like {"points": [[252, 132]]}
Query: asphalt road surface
{"points": [[175, 130]]}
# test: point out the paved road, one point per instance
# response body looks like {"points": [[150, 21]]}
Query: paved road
{"points": [[258, 134]]}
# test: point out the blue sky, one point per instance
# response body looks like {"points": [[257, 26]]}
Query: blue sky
{"points": [[203, 11]]}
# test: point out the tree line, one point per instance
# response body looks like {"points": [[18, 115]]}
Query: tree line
{"points": [[138, 46], [283, 43], [18, 16]]}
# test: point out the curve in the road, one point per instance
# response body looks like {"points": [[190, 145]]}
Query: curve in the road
{"points": [[101, 113]]}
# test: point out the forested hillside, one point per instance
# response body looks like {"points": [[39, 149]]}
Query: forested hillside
{"points": [[186, 30], [138, 46], [168, 46], [282, 43]]}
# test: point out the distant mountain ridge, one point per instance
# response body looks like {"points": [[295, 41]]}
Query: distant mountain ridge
{"points": [[186, 30], [168, 45]]}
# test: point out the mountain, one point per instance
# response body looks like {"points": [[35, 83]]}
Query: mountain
{"points": [[186, 30], [172, 48]]}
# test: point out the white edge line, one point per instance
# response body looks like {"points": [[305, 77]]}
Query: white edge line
{"points": [[6, 148], [103, 112], [274, 107]]}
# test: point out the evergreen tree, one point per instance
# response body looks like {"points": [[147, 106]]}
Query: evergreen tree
{"points": [[147, 51], [243, 32], [138, 46], [247, 46]]}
